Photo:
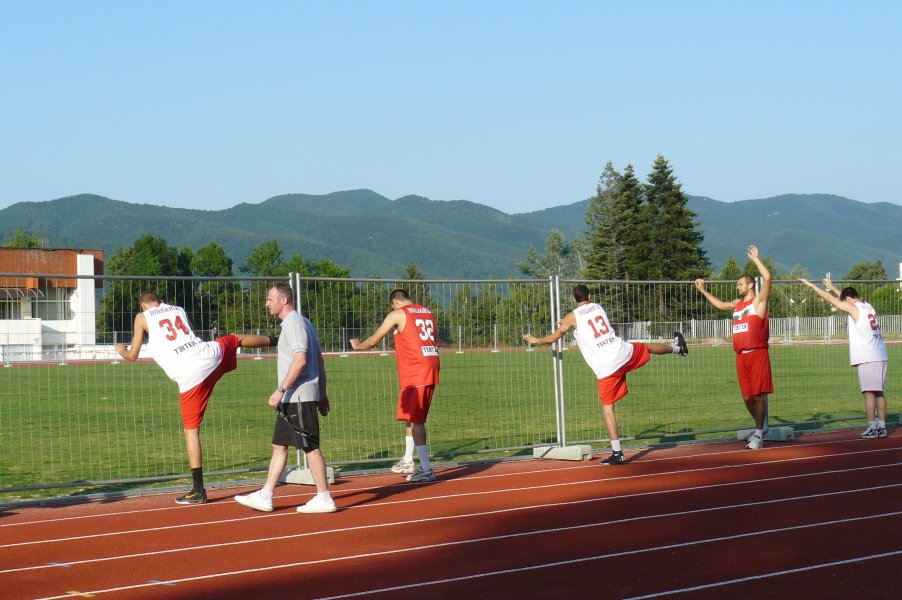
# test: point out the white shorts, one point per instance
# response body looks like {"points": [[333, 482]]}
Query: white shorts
{"points": [[872, 376]]}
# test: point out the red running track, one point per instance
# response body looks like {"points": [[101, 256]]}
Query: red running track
{"points": [[816, 517]]}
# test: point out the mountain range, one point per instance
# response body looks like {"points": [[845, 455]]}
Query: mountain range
{"points": [[374, 236]]}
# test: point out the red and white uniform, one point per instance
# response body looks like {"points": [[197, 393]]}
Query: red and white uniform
{"points": [[602, 350], [751, 331], [865, 341], [415, 349], [186, 359]]}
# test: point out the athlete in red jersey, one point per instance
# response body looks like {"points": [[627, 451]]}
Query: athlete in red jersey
{"points": [[750, 336], [418, 368]]}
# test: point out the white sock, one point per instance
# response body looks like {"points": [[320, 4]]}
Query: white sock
{"points": [[324, 495], [615, 445], [423, 455], [408, 448], [265, 495], [759, 433], [880, 424], [676, 348]]}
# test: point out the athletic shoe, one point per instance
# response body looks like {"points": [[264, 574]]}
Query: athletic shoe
{"points": [[870, 433], [403, 467], [193, 497], [421, 476], [616, 458], [317, 505], [680, 341], [756, 442], [881, 432], [255, 501]]}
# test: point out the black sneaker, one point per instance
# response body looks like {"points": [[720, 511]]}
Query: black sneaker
{"points": [[616, 458], [193, 497], [881, 432], [680, 341]]}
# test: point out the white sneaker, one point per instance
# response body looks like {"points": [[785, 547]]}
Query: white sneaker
{"points": [[404, 467], [255, 501], [421, 476], [755, 442], [317, 505]]}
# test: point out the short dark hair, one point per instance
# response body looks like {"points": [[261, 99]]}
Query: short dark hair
{"points": [[398, 294], [284, 290], [748, 279], [580, 293], [149, 297], [849, 292]]}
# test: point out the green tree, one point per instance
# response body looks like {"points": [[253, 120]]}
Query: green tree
{"points": [[20, 239], [264, 260], [211, 261], [867, 271], [153, 257], [613, 247], [886, 300], [561, 258], [730, 271], [674, 243]]}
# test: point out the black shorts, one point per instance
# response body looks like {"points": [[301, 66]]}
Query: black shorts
{"points": [[304, 416]]}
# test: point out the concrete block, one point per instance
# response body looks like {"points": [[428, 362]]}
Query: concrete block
{"points": [[775, 434], [577, 452], [304, 476]]}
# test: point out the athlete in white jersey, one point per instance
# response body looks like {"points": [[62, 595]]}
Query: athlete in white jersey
{"points": [[608, 355], [867, 352], [193, 364]]}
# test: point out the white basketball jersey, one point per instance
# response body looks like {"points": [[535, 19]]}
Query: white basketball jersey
{"points": [[865, 341], [603, 351], [186, 359]]}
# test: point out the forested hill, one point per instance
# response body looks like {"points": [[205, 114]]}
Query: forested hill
{"points": [[374, 236]]}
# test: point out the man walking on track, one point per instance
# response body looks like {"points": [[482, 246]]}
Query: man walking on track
{"points": [[193, 364], [751, 332], [301, 392], [608, 355], [867, 352], [418, 373]]}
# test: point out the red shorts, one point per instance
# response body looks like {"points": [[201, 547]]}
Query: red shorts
{"points": [[193, 403], [613, 387], [753, 370], [414, 403]]}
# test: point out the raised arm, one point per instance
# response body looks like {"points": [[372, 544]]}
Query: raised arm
{"points": [[394, 319], [567, 323], [714, 300], [840, 304], [764, 293], [131, 354], [828, 283]]}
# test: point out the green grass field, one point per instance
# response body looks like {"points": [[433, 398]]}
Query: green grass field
{"points": [[95, 422]]}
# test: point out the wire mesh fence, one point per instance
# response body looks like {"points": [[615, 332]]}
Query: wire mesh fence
{"points": [[72, 411]]}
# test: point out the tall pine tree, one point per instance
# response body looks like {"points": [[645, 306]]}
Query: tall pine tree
{"points": [[674, 244]]}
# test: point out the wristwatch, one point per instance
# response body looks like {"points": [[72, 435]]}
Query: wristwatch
{"points": [[280, 389]]}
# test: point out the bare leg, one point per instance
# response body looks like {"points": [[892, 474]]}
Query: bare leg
{"points": [[317, 465], [610, 421], [870, 405], [660, 348], [880, 402], [418, 431], [252, 341], [757, 407], [192, 441], [276, 467]]}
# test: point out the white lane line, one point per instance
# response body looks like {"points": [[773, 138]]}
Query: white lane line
{"points": [[464, 516], [483, 540], [484, 493], [541, 471]]}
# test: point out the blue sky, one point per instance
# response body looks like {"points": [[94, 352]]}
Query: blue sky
{"points": [[516, 105]]}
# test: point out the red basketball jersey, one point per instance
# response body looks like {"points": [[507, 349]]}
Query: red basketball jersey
{"points": [[751, 331], [415, 348]]}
